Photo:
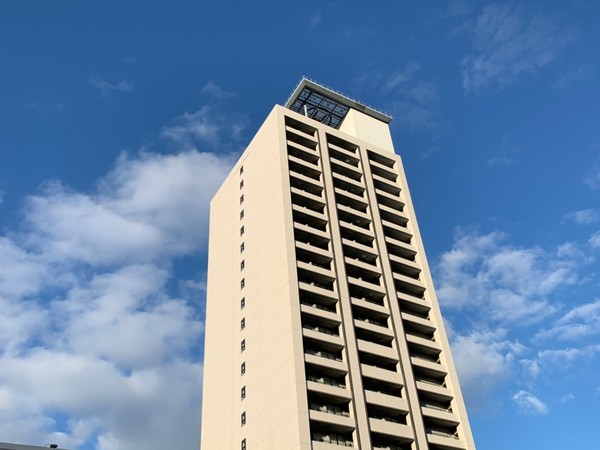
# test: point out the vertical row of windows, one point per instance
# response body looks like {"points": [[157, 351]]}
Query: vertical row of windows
{"points": [[242, 306]]}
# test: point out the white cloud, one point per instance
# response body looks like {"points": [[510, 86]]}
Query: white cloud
{"points": [[580, 322], [499, 161], [106, 88], [214, 91], [529, 403], [594, 240], [483, 360], [508, 283], [509, 43], [91, 326], [208, 126], [583, 217]]}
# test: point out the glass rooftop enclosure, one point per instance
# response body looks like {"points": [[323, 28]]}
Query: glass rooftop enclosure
{"points": [[327, 106]]}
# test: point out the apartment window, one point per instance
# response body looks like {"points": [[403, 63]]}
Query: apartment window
{"points": [[243, 345], [242, 265], [243, 323], [242, 231], [241, 214], [242, 247], [243, 444], [241, 170], [241, 184], [243, 418], [241, 199], [243, 392], [243, 368], [243, 283], [243, 303]]}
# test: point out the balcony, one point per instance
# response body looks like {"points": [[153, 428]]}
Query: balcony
{"points": [[340, 144], [368, 295], [346, 172], [322, 388], [445, 440], [350, 200], [343, 156], [323, 410], [386, 401], [301, 138], [400, 249], [378, 350], [325, 359], [365, 259], [308, 236], [397, 232], [298, 166], [382, 374], [348, 185], [326, 275], [433, 389], [405, 267], [381, 159], [425, 345], [386, 185], [426, 365], [353, 217], [371, 324], [391, 201], [309, 218], [446, 417], [382, 171], [393, 216], [303, 153], [319, 312], [306, 184], [315, 259], [361, 271], [391, 429], [299, 128], [309, 201], [366, 285], [363, 238], [417, 323], [375, 307]]}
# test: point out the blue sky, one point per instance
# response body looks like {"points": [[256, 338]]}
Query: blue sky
{"points": [[119, 120]]}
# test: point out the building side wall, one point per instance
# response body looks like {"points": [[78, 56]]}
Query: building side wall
{"points": [[275, 399]]}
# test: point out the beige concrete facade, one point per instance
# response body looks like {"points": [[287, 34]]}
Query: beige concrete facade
{"points": [[322, 328]]}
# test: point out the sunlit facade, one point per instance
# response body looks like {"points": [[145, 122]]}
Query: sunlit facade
{"points": [[323, 329]]}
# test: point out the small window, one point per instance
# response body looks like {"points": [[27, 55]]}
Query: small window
{"points": [[243, 368], [241, 199], [242, 247], [241, 184], [241, 170], [243, 418], [242, 265], [241, 214], [242, 231], [243, 323], [243, 444], [243, 393], [243, 303], [243, 283], [243, 345]]}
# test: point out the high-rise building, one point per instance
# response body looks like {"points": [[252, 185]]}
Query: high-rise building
{"points": [[322, 327]]}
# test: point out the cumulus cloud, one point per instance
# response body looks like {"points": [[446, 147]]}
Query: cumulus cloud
{"points": [[509, 283], [508, 43], [528, 403], [483, 359], [91, 326]]}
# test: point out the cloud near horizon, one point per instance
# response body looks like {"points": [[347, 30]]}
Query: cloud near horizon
{"points": [[90, 327]]}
